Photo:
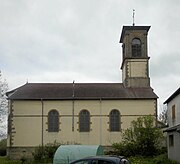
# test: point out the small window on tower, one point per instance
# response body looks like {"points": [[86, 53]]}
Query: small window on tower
{"points": [[123, 48], [136, 47]]}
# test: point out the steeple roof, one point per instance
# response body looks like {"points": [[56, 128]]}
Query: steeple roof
{"points": [[126, 28]]}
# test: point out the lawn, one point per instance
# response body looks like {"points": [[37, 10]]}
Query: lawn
{"points": [[4, 160], [161, 159]]}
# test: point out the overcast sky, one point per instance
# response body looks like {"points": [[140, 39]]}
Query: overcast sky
{"points": [[66, 40]]}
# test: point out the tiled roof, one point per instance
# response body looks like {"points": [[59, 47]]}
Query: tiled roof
{"points": [[173, 128], [66, 91], [177, 92], [126, 28]]}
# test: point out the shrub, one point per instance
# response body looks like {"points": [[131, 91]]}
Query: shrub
{"points": [[127, 150], [38, 154], [142, 138], [3, 144], [50, 149], [45, 152]]}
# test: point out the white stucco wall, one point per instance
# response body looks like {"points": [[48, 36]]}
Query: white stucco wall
{"points": [[27, 120], [176, 102], [173, 150]]}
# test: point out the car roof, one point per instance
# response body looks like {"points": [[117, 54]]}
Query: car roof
{"points": [[110, 158]]}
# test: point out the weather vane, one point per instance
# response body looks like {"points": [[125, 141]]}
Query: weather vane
{"points": [[133, 16]]}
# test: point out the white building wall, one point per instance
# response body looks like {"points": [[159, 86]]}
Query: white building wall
{"points": [[27, 121], [176, 102], [173, 150]]}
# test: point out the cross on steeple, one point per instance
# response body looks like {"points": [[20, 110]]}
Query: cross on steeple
{"points": [[133, 17]]}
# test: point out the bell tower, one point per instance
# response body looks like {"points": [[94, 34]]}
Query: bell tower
{"points": [[135, 60]]}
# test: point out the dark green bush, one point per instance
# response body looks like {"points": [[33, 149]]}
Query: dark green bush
{"points": [[142, 139], [50, 149], [38, 154], [45, 152], [3, 144], [127, 150]]}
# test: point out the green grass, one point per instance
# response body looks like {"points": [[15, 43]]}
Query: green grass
{"points": [[161, 159], [4, 160]]}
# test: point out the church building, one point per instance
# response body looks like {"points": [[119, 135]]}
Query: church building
{"points": [[83, 113]]}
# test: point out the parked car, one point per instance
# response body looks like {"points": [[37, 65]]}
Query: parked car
{"points": [[101, 160]]}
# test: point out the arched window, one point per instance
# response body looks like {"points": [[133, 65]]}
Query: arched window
{"points": [[84, 121], [136, 47], [53, 121], [114, 120]]}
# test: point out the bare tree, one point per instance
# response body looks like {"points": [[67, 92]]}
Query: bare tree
{"points": [[3, 107], [163, 117]]}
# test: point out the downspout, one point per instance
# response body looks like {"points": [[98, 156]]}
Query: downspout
{"points": [[42, 114], [100, 121], [10, 123], [73, 106], [156, 112]]}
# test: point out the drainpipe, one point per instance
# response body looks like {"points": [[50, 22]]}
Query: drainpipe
{"points": [[156, 112], [10, 123], [73, 106], [42, 114], [100, 121]]}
